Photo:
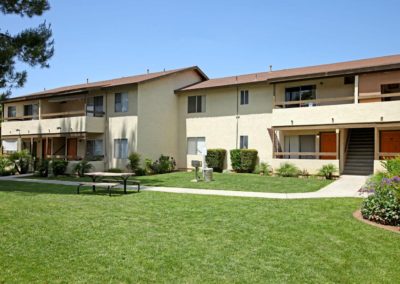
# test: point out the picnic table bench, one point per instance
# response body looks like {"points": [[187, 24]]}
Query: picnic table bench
{"points": [[128, 181], [100, 184], [117, 177]]}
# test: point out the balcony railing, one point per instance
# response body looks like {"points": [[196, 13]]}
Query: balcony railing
{"points": [[315, 102], [55, 115], [314, 155]]}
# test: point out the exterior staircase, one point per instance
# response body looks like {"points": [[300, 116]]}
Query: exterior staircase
{"points": [[360, 152]]}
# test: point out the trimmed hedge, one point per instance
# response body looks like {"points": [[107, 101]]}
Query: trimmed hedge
{"points": [[243, 160], [215, 159]]}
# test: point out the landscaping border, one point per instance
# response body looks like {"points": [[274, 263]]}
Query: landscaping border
{"points": [[357, 214]]}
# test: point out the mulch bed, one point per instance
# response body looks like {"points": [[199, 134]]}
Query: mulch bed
{"points": [[357, 214]]}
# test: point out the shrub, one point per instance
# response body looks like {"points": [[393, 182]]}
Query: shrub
{"points": [[215, 159], [59, 166], [262, 168], [82, 168], [43, 168], [5, 166], [235, 160], [164, 164], [134, 160], [114, 170], [392, 166], [140, 172], [21, 161], [384, 205], [288, 170], [327, 171], [243, 160]]}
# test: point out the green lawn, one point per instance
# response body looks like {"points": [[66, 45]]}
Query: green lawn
{"points": [[49, 234], [243, 182]]}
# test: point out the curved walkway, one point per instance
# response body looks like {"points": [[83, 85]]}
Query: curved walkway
{"points": [[345, 186]]}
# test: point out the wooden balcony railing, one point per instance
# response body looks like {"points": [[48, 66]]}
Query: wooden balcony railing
{"points": [[316, 155], [384, 155], [55, 115], [315, 102]]}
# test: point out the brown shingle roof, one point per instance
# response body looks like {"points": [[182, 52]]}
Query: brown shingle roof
{"points": [[325, 70], [106, 83]]}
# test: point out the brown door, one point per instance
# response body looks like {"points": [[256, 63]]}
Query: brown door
{"points": [[72, 148], [327, 144], [390, 141], [46, 148]]}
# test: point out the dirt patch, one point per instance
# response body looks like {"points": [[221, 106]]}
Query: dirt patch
{"points": [[357, 214]]}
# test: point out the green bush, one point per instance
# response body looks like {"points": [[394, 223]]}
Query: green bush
{"points": [[82, 168], [392, 166], [248, 160], [383, 206], [59, 167], [164, 164], [114, 170], [243, 160], [327, 171], [21, 161], [5, 166], [43, 168], [140, 172], [216, 159], [235, 159], [288, 170], [134, 161], [262, 168]]}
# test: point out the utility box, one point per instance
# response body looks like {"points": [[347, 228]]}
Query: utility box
{"points": [[208, 174]]}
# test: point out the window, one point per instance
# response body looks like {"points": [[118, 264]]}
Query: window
{"points": [[244, 97], [9, 146], [121, 102], [94, 106], [11, 111], [300, 94], [390, 89], [94, 148], [196, 104], [195, 145], [349, 80], [121, 148], [244, 142], [31, 110], [299, 143]]}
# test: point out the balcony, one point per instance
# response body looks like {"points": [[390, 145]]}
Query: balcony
{"points": [[366, 111], [54, 123]]}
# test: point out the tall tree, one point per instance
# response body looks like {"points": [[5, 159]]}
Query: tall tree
{"points": [[33, 46]]}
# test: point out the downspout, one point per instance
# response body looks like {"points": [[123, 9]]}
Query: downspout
{"points": [[237, 115], [105, 131]]}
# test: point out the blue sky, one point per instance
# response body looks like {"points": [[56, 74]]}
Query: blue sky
{"points": [[109, 39]]}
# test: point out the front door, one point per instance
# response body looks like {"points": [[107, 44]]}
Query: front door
{"points": [[327, 144], [390, 141], [46, 148], [72, 148]]}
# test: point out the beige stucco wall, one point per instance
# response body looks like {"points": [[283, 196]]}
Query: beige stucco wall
{"points": [[158, 114], [325, 88], [224, 121], [341, 114], [311, 165]]}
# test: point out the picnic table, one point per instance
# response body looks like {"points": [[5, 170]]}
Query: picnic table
{"points": [[100, 175]]}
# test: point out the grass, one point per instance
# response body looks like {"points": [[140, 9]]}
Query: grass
{"points": [[242, 182], [49, 234]]}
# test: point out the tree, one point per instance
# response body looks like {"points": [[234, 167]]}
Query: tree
{"points": [[32, 46]]}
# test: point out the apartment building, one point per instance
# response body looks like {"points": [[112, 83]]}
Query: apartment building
{"points": [[346, 114], [102, 121]]}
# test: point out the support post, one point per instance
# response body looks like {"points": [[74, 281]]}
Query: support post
{"points": [[273, 144], [356, 89], [66, 148], [376, 144], [337, 143]]}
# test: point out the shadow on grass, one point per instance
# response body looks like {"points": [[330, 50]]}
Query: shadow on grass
{"points": [[34, 189]]}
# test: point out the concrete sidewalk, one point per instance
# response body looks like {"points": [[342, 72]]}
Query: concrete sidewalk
{"points": [[345, 186]]}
